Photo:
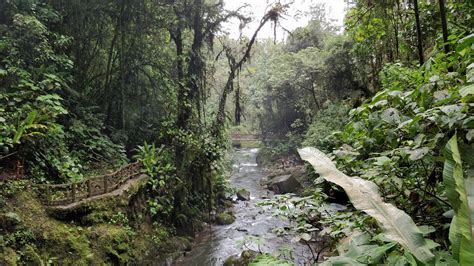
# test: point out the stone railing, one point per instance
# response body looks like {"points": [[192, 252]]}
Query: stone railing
{"points": [[62, 194]]}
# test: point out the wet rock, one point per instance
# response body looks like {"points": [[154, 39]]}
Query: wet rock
{"points": [[285, 184], [249, 255], [233, 261], [264, 181], [244, 259], [267, 196], [243, 195], [225, 218], [177, 244]]}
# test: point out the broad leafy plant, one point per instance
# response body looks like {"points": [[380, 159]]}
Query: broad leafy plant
{"points": [[163, 181], [397, 225], [460, 193]]}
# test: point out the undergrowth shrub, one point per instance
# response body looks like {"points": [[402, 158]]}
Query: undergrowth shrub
{"points": [[325, 123], [397, 139], [41, 119]]}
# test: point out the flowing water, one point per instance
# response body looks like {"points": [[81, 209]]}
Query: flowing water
{"points": [[218, 243]]}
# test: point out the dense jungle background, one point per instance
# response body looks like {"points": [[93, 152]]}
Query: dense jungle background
{"points": [[88, 87]]}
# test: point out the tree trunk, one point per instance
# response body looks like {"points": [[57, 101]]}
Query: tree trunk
{"points": [[418, 33], [444, 24], [121, 102], [238, 108], [395, 28], [178, 41], [235, 67], [195, 70], [315, 98]]}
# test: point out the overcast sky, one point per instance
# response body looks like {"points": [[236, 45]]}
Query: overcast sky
{"points": [[295, 18]]}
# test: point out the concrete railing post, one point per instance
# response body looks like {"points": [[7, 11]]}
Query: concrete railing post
{"points": [[105, 184], [73, 192], [89, 188], [49, 199]]}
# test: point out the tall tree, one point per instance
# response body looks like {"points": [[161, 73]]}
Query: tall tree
{"points": [[444, 25], [418, 33]]}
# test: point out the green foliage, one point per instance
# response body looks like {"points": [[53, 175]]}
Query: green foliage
{"points": [[251, 242], [119, 219], [163, 181], [300, 211], [28, 123], [285, 83], [20, 238], [325, 123], [29, 92], [149, 156], [272, 151], [160, 234], [83, 82], [360, 250], [312, 216], [35, 121], [397, 225], [266, 259], [9, 189], [459, 192], [396, 140]]}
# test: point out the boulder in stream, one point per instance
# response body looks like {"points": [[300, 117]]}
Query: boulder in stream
{"points": [[264, 181], [225, 218], [243, 194], [245, 258], [285, 184]]}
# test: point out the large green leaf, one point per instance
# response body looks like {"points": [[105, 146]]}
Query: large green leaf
{"points": [[341, 261], [458, 191], [24, 125], [364, 195], [375, 255]]}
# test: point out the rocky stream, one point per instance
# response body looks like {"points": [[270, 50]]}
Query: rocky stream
{"points": [[254, 225]]}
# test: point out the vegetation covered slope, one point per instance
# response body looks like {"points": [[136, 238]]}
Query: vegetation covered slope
{"points": [[85, 86], [412, 137]]}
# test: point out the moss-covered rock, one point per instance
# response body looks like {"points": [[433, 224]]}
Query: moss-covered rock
{"points": [[114, 243], [66, 244], [243, 194], [30, 257], [244, 259], [177, 244], [9, 221], [233, 261], [225, 218], [8, 256], [115, 230]]}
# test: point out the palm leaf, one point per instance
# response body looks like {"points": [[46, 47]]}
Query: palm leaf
{"points": [[459, 191], [364, 195]]}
